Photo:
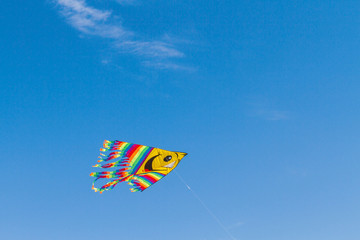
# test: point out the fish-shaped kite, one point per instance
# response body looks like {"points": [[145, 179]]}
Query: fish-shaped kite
{"points": [[139, 165]]}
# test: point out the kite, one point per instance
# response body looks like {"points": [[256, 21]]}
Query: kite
{"points": [[140, 166]]}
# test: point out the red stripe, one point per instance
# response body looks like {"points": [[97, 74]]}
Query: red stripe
{"points": [[117, 146], [142, 187], [150, 178], [113, 153], [110, 158], [132, 150], [135, 151]]}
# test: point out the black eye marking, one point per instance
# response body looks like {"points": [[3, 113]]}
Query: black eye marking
{"points": [[148, 165], [167, 158]]}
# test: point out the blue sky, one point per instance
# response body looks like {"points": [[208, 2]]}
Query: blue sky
{"points": [[263, 95]]}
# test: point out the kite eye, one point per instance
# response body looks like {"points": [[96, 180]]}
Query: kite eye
{"points": [[167, 158]]}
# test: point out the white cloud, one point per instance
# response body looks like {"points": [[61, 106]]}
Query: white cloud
{"points": [[266, 109], [154, 48], [168, 65], [80, 7], [236, 225], [128, 2], [92, 21]]}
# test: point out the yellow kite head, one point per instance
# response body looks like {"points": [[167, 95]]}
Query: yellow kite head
{"points": [[161, 161]]}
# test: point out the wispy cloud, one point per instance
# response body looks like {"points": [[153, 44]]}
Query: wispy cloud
{"points": [[90, 20], [128, 2], [264, 108], [236, 225], [168, 65], [152, 49], [102, 23]]}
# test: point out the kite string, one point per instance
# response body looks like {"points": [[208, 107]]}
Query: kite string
{"points": [[204, 205]]}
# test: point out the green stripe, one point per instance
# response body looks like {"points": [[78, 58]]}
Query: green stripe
{"points": [[141, 155]]}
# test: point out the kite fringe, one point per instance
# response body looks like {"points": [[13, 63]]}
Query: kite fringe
{"points": [[110, 185], [122, 174], [136, 185]]}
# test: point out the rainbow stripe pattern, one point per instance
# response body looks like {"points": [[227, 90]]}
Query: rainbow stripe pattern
{"points": [[128, 159]]}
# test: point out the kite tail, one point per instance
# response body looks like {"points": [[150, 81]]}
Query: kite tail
{"points": [[143, 181], [110, 185], [122, 174], [113, 147], [136, 185]]}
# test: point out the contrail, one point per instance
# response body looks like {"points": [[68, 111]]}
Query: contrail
{"points": [[207, 209]]}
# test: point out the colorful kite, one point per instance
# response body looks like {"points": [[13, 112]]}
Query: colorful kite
{"points": [[140, 166]]}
